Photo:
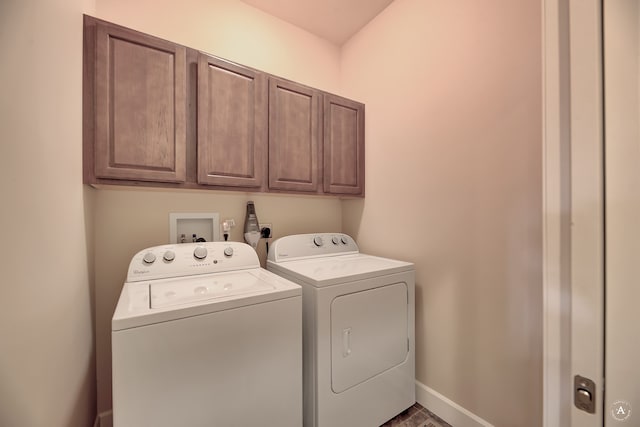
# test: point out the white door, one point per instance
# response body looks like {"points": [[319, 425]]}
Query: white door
{"points": [[621, 38], [605, 207], [587, 211]]}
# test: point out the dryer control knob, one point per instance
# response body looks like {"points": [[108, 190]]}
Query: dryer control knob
{"points": [[169, 256], [335, 240], [317, 241], [344, 240], [149, 258], [228, 252], [200, 252]]}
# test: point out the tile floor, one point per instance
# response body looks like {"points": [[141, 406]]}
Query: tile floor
{"points": [[416, 416]]}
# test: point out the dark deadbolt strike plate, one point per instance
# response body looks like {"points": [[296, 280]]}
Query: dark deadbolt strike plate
{"points": [[584, 394]]}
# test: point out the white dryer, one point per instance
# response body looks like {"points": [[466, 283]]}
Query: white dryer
{"points": [[202, 336], [358, 329]]}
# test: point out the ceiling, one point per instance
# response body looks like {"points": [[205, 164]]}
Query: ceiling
{"points": [[333, 20]]}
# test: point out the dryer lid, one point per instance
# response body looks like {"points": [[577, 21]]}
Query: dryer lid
{"points": [[338, 269]]}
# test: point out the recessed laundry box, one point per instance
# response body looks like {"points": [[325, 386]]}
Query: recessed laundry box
{"points": [[358, 329]]}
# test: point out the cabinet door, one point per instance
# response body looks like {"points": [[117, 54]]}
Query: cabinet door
{"points": [[232, 124], [294, 136], [343, 146], [140, 106]]}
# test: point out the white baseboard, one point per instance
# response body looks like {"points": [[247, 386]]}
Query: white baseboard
{"points": [[104, 419], [446, 409]]}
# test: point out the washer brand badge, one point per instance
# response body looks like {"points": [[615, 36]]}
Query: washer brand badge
{"points": [[140, 271], [621, 410]]}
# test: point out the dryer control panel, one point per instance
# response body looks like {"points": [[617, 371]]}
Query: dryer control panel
{"points": [[301, 246], [187, 259]]}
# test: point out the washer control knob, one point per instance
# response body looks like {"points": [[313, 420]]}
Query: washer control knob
{"points": [[228, 251], [149, 258], [317, 241], [335, 240], [344, 240], [200, 252], [169, 256]]}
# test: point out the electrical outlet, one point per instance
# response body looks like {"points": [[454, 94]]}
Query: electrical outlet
{"points": [[226, 226], [263, 230]]}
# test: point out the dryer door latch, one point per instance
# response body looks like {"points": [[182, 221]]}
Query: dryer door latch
{"points": [[346, 342]]}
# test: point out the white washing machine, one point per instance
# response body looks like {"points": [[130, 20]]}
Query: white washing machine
{"points": [[358, 329], [202, 336]]}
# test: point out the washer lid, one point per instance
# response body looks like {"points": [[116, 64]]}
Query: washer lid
{"points": [[332, 270], [148, 302], [178, 291]]}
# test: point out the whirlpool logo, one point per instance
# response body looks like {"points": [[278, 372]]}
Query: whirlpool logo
{"points": [[140, 271]]}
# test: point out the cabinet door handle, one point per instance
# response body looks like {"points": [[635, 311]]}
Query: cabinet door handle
{"points": [[346, 342]]}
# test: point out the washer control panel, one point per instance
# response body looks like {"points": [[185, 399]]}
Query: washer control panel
{"points": [[299, 246], [186, 259]]}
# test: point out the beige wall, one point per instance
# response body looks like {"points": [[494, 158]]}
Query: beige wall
{"points": [[47, 371], [128, 220], [453, 184], [453, 97]]}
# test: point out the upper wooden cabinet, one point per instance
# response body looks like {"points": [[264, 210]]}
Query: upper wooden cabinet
{"points": [[343, 146], [156, 113], [140, 106], [232, 124], [294, 136]]}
